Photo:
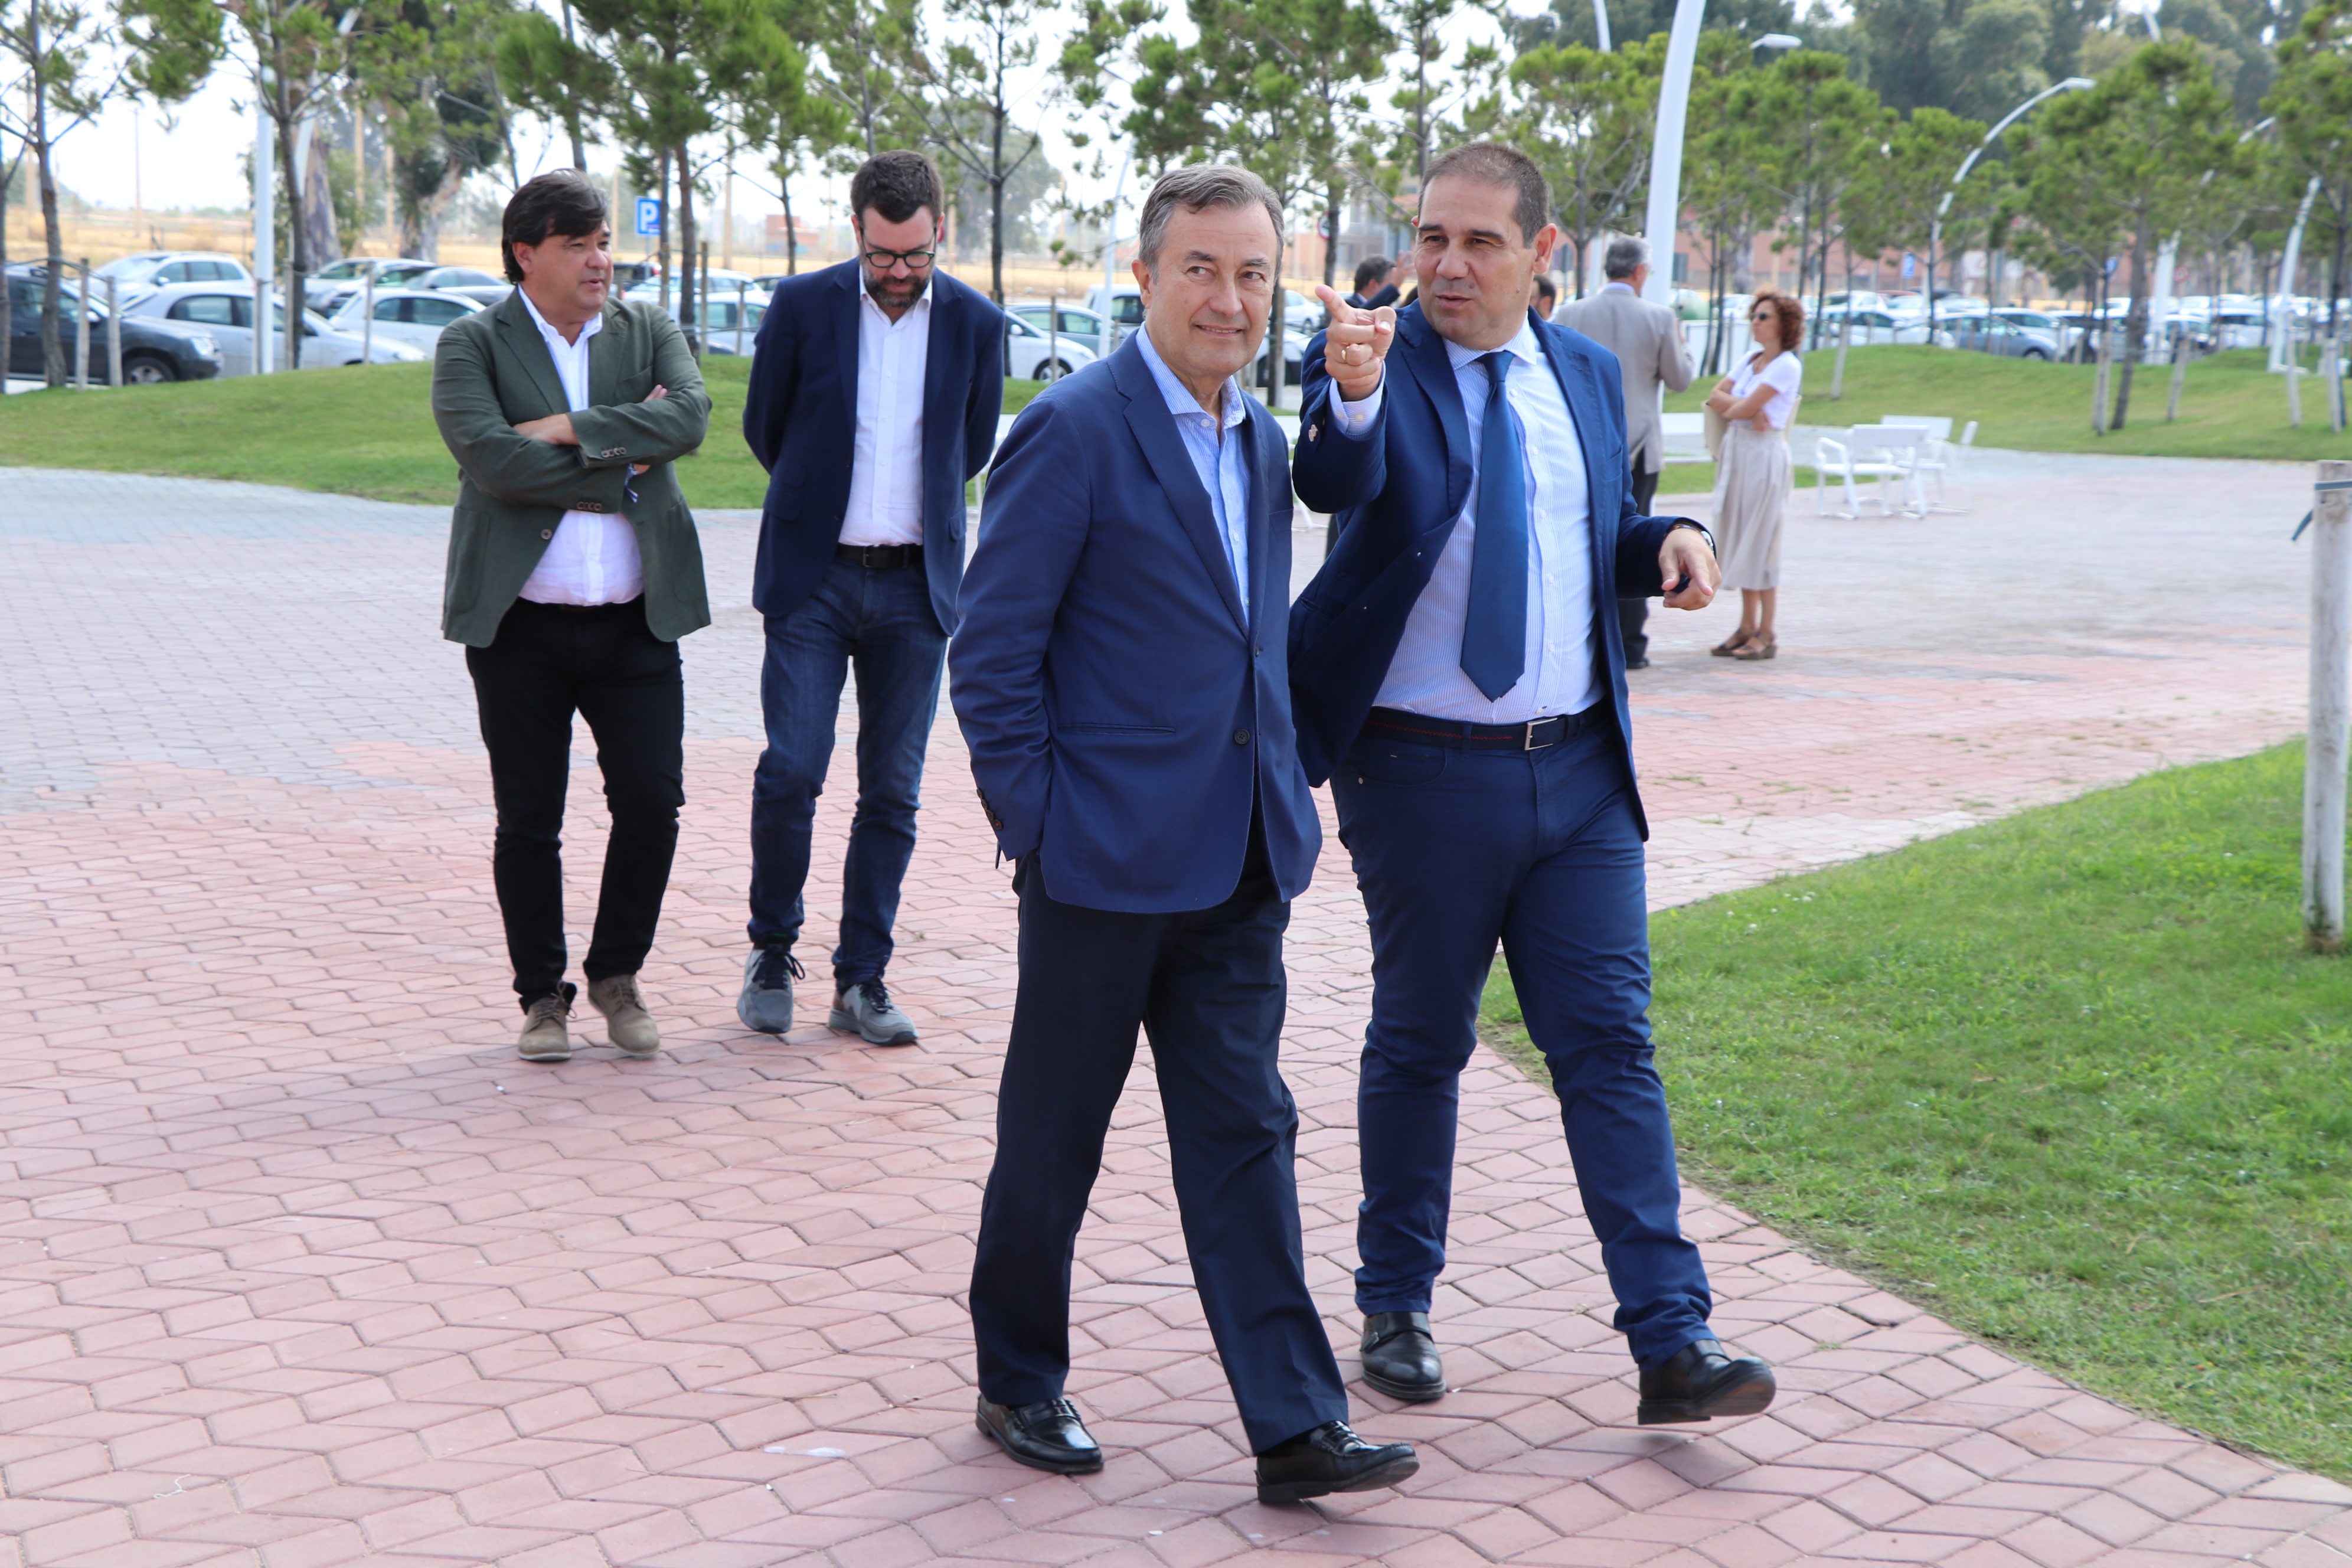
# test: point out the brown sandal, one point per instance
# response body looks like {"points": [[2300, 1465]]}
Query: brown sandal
{"points": [[1762, 646], [1729, 646]]}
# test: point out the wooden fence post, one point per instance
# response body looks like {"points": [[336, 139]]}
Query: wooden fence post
{"points": [[2328, 752]]}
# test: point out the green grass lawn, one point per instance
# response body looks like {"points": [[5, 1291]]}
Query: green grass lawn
{"points": [[1699, 478], [2230, 406], [2068, 1080], [355, 430]]}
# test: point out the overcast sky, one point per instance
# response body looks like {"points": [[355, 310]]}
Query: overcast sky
{"points": [[191, 158]]}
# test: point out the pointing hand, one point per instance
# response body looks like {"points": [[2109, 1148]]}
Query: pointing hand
{"points": [[1356, 343]]}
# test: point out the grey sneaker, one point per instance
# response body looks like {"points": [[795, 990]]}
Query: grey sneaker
{"points": [[632, 1028], [766, 1003], [543, 1037], [865, 1009]]}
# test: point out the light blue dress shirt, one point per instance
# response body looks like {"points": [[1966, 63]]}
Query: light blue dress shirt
{"points": [[1426, 676], [1219, 455]]}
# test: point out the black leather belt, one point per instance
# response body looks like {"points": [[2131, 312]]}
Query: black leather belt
{"points": [[1532, 736], [580, 609], [879, 557]]}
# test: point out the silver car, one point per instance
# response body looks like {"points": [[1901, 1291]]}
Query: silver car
{"points": [[2003, 335], [332, 285], [1029, 356], [227, 316], [404, 315]]}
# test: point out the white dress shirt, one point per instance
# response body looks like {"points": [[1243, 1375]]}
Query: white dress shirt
{"points": [[1426, 676], [1220, 456], [593, 558], [886, 470]]}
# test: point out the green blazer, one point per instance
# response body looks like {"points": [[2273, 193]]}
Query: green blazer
{"points": [[491, 372]]}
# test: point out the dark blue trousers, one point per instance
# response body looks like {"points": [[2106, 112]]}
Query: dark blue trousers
{"points": [[1208, 988], [1459, 849], [880, 622]]}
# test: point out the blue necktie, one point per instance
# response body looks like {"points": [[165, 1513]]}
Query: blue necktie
{"points": [[1494, 629]]}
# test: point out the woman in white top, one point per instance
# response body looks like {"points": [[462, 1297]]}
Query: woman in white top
{"points": [[1753, 475]]}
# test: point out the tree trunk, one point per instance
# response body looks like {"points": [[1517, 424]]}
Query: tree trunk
{"points": [[792, 251], [1333, 197], [2179, 375], [2134, 321], [7, 177], [996, 198], [53, 348], [298, 239], [1845, 335], [315, 202], [661, 230], [686, 255]]}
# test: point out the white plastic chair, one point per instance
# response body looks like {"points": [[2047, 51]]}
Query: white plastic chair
{"points": [[1881, 452], [1942, 459]]}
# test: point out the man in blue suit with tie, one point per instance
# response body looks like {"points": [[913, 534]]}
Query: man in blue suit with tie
{"points": [[1458, 675], [1120, 677], [873, 401]]}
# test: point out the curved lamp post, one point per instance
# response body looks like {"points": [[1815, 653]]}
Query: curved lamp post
{"points": [[1665, 211], [1935, 229]]}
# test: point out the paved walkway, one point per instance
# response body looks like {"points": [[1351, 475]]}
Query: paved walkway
{"points": [[299, 1267]]}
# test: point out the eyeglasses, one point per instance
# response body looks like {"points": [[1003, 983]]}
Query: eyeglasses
{"points": [[883, 260], [1765, 316]]}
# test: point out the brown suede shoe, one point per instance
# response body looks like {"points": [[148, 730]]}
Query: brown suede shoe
{"points": [[543, 1037], [625, 1019]]}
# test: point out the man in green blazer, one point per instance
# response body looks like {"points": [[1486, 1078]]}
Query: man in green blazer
{"points": [[573, 569]]}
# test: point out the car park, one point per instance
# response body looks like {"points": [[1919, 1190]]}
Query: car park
{"points": [[730, 326], [403, 315], [151, 350], [1877, 327], [227, 316]]}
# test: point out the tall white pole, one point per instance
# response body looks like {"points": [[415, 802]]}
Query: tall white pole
{"points": [[265, 234], [1665, 214], [2328, 750], [1601, 24], [2281, 303]]}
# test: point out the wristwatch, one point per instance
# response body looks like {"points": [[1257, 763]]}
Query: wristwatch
{"points": [[1702, 534]]}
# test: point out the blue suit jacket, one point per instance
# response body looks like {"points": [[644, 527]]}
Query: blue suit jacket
{"points": [[801, 420], [1122, 711], [1395, 495]]}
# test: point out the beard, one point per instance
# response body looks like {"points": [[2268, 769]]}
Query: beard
{"points": [[893, 295]]}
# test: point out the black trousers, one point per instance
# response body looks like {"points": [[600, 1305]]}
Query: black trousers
{"points": [[547, 663], [1208, 987], [1633, 615]]}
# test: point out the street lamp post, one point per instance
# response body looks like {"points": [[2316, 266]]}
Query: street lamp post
{"points": [[1665, 212], [1935, 229]]}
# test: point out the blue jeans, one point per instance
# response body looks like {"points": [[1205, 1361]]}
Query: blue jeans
{"points": [[881, 623], [1456, 851]]}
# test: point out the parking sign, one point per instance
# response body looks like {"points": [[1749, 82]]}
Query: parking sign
{"points": [[649, 215]]}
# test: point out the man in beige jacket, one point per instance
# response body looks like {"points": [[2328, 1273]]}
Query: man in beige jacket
{"points": [[1647, 340]]}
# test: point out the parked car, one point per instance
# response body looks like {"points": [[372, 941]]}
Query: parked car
{"points": [[404, 315], [1076, 322], [229, 317], [1028, 356], [729, 326], [151, 350], [723, 282], [473, 283], [1879, 327], [1998, 336], [161, 269], [331, 286]]}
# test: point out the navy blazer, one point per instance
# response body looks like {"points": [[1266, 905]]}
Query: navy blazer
{"points": [[801, 420], [1122, 713], [1394, 496]]}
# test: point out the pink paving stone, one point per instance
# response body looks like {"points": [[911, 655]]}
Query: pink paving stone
{"points": [[282, 1195]]}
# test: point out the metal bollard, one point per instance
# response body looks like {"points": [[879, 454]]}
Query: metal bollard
{"points": [[81, 329], [113, 334]]}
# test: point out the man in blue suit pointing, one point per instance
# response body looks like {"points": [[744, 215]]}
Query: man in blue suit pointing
{"points": [[1119, 673], [1458, 675]]}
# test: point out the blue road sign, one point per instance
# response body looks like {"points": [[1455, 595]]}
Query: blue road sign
{"points": [[1910, 262], [649, 215]]}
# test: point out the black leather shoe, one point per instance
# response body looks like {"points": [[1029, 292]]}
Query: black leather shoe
{"points": [[1700, 1383], [1044, 1436], [1330, 1458], [1401, 1359], [1637, 661]]}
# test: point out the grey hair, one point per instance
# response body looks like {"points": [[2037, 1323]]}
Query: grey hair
{"points": [[1627, 255], [1195, 189]]}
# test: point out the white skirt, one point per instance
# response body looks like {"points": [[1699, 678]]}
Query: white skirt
{"points": [[1754, 478]]}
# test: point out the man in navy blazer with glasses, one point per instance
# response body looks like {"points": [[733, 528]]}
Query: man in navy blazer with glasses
{"points": [[1120, 677], [1459, 675], [873, 401]]}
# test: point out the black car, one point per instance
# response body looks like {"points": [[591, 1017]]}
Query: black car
{"points": [[151, 350]]}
